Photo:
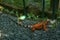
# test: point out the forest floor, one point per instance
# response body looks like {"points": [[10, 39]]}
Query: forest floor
{"points": [[9, 30]]}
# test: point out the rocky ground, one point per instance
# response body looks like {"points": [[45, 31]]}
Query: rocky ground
{"points": [[10, 30]]}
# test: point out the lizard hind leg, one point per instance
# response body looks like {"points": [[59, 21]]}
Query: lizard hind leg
{"points": [[44, 27], [33, 29]]}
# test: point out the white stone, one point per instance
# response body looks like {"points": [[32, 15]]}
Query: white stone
{"points": [[25, 25], [48, 19], [28, 26], [22, 17], [0, 34], [31, 26], [52, 21], [5, 35]]}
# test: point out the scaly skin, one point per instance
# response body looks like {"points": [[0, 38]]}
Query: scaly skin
{"points": [[40, 26]]}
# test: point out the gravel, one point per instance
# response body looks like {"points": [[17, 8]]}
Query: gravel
{"points": [[12, 31]]}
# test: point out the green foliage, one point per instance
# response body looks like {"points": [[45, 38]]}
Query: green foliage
{"points": [[53, 26], [16, 13], [19, 3], [32, 16]]}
